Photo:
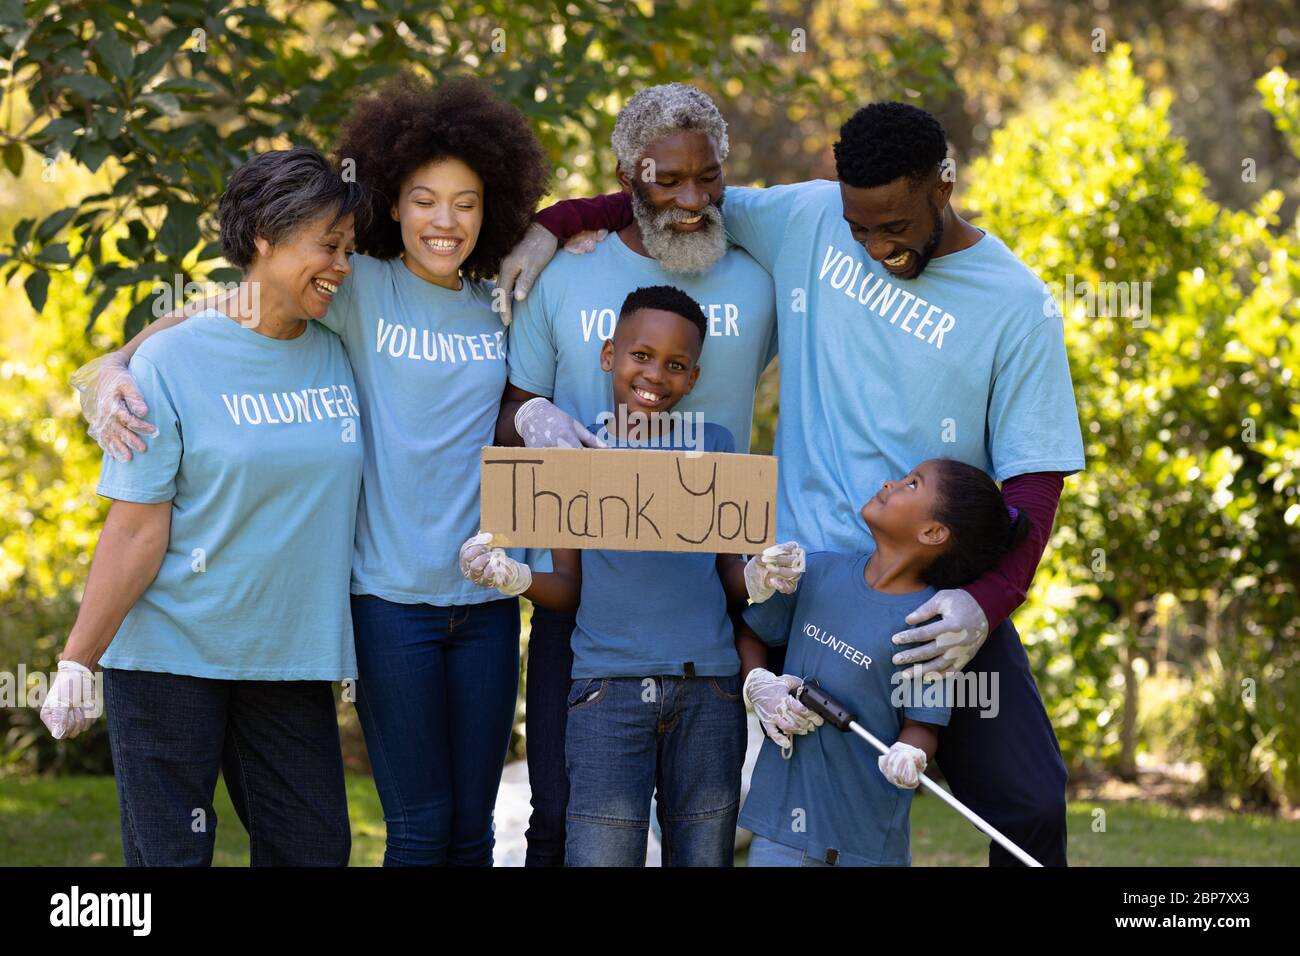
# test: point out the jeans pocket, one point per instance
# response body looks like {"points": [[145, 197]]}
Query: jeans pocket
{"points": [[586, 691], [728, 688]]}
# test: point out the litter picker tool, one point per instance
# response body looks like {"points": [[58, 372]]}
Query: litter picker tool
{"points": [[837, 715]]}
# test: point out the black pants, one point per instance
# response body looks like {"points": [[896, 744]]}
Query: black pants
{"points": [[1008, 768], [550, 663]]}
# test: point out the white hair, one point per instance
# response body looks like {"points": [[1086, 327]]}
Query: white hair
{"points": [[657, 111]]}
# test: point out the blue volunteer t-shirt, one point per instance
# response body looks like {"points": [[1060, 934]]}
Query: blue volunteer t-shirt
{"points": [[259, 450], [431, 367], [966, 361], [831, 794], [649, 613]]}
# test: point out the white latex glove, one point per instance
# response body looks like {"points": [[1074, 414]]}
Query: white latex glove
{"points": [[952, 640], [112, 404], [903, 765], [70, 706], [523, 264], [778, 568], [541, 425], [491, 567], [581, 243], [779, 712], [473, 556]]}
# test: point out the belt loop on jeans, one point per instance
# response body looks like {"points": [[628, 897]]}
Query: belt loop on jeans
{"points": [[688, 669]]}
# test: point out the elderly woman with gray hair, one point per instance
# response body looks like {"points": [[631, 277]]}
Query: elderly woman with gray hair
{"points": [[217, 603]]}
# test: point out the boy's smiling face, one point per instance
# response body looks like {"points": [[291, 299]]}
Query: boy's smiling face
{"points": [[653, 359]]}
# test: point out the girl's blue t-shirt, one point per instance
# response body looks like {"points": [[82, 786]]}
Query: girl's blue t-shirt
{"points": [[259, 451], [831, 795], [430, 365], [645, 613]]}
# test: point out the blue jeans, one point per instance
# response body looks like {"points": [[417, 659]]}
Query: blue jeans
{"points": [[765, 852], [436, 699], [630, 737], [550, 662], [276, 742]]}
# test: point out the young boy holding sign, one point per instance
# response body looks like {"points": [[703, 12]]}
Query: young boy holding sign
{"points": [[655, 705]]}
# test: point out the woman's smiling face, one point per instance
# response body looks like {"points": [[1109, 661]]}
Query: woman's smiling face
{"points": [[302, 274], [440, 210]]}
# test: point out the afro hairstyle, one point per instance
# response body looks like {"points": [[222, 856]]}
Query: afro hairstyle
{"points": [[408, 123]]}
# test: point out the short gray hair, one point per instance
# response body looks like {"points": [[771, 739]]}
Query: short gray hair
{"points": [[656, 112], [275, 193]]}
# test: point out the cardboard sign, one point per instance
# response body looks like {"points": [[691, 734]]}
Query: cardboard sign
{"points": [[628, 499]]}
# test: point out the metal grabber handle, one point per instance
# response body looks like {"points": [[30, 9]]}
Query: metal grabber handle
{"points": [[840, 717]]}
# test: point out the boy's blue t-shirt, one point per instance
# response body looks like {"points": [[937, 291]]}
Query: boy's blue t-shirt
{"points": [[831, 794], [558, 331], [645, 613], [259, 451], [965, 361], [431, 367]]}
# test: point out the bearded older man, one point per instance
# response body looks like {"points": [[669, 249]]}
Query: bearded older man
{"points": [[670, 142]]}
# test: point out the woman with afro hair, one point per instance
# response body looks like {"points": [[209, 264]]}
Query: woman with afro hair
{"points": [[454, 175]]}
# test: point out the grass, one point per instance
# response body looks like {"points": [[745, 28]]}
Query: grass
{"points": [[72, 821]]}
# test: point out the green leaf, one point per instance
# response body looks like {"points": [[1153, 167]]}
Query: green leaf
{"points": [[138, 317], [109, 123], [115, 54], [55, 255], [38, 289], [11, 13], [70, 58], [165, 103], [93, 153], [86, 85], [53, 223], [23, 231], [180, 231], [57, 128], [251, 15], [151, 60], [184, 86], [13, 156], [101, 303]]}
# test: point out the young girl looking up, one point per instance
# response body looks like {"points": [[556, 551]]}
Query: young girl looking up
{"points": [[833, 801]]}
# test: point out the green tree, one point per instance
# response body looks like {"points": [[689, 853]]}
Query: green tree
{"points": [[1183, 397], [169, 98]]}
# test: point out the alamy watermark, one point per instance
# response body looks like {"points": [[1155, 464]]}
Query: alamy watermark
{"points": [[247, 299], [22, 689], [978, 689], [1130, 300], [678, 430]]}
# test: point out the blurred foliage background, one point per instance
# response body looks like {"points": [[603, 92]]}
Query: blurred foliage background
{"points": [[1158, 143]]}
